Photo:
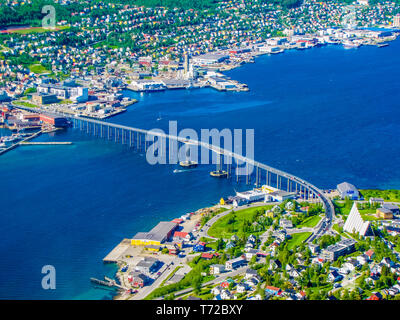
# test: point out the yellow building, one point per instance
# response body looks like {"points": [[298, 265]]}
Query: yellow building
{"points": [[384, 213], [270, 214], [159, 234]]}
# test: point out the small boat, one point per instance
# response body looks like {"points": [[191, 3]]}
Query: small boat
{"points": [[381, 45], [188, 164], [350, 45], [219, 173]]}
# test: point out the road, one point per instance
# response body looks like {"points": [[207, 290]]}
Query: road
{"points": [[212, 282]]}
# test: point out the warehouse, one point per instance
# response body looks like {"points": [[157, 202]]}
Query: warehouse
{"points": [[159, 234]]}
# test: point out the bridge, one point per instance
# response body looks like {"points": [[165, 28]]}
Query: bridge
{"points": [[139, 139]]}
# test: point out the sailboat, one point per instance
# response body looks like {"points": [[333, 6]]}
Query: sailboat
{"points": [[159, 117]]}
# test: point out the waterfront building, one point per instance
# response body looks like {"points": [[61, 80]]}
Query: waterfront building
{"points": [[209, 58], [355, 223], [251, 195], [147, 265], [53, 120], [396, 21], [346, 189], [138, 279], [159, 234], [147, 85], [280, 196]]}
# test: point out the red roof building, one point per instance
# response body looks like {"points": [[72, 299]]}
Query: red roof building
{"points": [[207, 255]]}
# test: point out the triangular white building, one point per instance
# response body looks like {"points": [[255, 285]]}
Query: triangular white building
{"points": [[355, 222]]}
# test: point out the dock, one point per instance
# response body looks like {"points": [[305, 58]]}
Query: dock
{"points": [[107, 282], [19, 143], [117, 252]]}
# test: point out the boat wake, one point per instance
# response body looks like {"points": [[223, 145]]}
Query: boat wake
{"points": [[183, 170]]}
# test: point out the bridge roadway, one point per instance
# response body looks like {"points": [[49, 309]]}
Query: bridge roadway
{"points": [[326, 202]]}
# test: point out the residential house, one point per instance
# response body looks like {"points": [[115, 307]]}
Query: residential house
{"points": [[234, 263], [371, 254], [179, 235], [226, 295], [199, 247], [217, 268], [270, 290], [250, 254], [334, 276], [387, 262], [250, 273], [241, 288], [274, 264]]}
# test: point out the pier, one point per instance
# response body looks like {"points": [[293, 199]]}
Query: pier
{"points": [[107, 282], [49, 143], [116, 253]]}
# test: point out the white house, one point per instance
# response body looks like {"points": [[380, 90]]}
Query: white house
{"points": [[241, 288]]}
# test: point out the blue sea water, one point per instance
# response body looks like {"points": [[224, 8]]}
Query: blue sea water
{"points": [[327, 115]]}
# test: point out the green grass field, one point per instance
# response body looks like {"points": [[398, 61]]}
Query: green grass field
{"points": [[223, 229], [297, 239], [387, 195], [26, 104], [310, 222], [369, 214], [38, 69]]}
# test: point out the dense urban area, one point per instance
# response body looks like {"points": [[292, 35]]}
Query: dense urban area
{"points": [[258, 244]]}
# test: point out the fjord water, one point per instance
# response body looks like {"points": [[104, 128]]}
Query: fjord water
{"points": [[326, 114]]}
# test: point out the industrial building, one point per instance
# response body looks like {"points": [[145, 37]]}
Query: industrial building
{"points": [[209, 58], [159, 234]]}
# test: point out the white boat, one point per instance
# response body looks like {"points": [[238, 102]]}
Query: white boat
{"points": [[350, 44]]}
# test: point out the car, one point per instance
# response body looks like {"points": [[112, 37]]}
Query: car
{"points": [[158, 273]]}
